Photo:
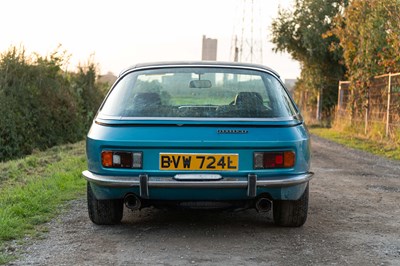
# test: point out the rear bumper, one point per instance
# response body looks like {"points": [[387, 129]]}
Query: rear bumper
{"points": [[144, 182]]}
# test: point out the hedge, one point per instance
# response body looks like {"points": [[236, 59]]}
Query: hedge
{"points": [[42, 105]]}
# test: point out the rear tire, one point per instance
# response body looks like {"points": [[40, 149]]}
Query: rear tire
{"points": [[291, 213], [104, 212]]}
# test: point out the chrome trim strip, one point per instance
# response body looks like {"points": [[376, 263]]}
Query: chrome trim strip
{"points": [[170, 182], [229, 65]]}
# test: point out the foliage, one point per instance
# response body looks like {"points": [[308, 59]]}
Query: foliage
{"points": [[41, 105], [88, 93], [32, 190], [369, 34], [302, 33]]}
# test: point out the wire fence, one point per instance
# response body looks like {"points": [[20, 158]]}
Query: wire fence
{"points": [[376, 108]]}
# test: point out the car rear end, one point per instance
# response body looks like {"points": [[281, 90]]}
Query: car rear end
{"points": [[198, 135]]}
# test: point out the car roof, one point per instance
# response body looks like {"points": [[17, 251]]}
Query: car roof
{"points": [[198, 64]]}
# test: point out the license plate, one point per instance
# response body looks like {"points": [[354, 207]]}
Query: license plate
{"points": [[199, 161]]}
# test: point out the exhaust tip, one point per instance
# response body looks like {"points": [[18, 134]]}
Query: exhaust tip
{"points": [[132, 202], [263, 205]]}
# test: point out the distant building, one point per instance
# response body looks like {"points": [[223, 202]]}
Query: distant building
{"points": [[108, 78], [209, 50], [289, 83]]}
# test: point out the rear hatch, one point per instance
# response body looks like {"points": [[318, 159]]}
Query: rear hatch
{"points": [[198, 118]]}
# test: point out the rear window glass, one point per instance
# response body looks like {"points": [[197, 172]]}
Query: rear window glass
{"points": [[198, 93]]}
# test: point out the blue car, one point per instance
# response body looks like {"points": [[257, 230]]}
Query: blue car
{"points": [[198, 135]]}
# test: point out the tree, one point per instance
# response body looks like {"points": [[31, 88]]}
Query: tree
{"points": [[302, 33], [369, 34]]}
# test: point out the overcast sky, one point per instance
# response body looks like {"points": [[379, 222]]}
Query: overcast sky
{"points": [[121, 33]]}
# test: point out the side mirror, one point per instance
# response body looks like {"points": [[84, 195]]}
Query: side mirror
{"points": [[199, 84]]}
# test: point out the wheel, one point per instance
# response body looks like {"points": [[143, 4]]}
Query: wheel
{"points": [[104, 211], [291, 213]]}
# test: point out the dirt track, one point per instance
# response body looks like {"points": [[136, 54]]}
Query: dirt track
{"points": [[354, 219]]}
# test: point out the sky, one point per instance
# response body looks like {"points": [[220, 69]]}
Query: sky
{"points": [[121, 33]]}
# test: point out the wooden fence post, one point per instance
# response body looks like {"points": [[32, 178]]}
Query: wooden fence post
{"points": [[319, 105], [388, 106], [340, 98]]}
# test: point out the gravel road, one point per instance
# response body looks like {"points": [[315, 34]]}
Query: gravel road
{"points": [[354, 219]]}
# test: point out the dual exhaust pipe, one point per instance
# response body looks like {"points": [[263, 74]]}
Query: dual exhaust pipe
{"points": [[132, 202], [263, 205]]}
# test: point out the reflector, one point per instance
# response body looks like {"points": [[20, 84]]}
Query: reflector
{"points": [[125, 160], [270, 160]]}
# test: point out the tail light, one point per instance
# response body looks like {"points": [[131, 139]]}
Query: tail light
{"points": [[276, 159], [121, 159]]}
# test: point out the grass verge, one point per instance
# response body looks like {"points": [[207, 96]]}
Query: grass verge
{"points": [[382, 148], [32, 190]]}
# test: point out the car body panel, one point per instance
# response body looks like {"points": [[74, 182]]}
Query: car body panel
{"points": [[186, 138]]}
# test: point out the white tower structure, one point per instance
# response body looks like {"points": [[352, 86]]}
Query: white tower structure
{"points": [[248, 34]]}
